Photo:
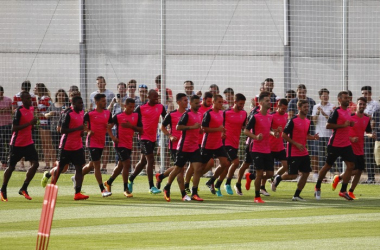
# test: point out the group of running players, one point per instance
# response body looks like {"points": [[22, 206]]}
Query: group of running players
{"points": [[197, 135]]}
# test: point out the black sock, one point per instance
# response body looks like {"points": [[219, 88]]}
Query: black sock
{"points": [[101, 186], [48, 175], [297, 193], [318, 185], [25, 186], [168, 186], [110, 180], [262, 187], [211, 180], [351, 190], [344, 187], [78, 189], [132, 177], [278, 180], [4, 188], [257, 194], [238, 185], [228, 181], [161, 177], [187, 185], [218, 184], [252, 176], [194, 190], [183, 193], [151, 184], [125, 186]]}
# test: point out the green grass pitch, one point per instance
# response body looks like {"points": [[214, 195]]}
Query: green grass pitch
{"points": [[230, 222]]}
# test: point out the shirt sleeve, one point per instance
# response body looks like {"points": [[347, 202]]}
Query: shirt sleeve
{"points": [[86, 117], [292, 106], [17, 117], [139, 120], [368, 129], [66, 120], [167, 120], [110, 119], [184, 119], [163, 112], [251, 124], [206, 120], [245, 120], [333, 119], [289, 127]]}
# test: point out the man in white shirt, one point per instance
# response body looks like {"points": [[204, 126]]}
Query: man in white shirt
{"points": [[320, 115], [372, 106]]}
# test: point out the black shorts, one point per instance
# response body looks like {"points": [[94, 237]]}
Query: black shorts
{"points": [[359, 162], [173, 154], [299, 163], [207, 154], [76, 157], [345, 153], [279, 155], [247, 154], [183, 157], [123, 153], [262, 161], [147, 147], [95, 154], [232, 153], [17, 153]]}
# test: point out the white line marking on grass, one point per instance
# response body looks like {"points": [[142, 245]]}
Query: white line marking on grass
{"points": [[189, 225]]}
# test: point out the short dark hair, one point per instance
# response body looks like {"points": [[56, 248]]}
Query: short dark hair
{"points": [[323, 90], [74, 93], [292, 92], [75, 99], [179, 96], [263, 94], [349, 93], [194, 97], [24, 92], [362, 99], [283, 101], [342, 93], [73, 88], [239, 97], [228, 90], [368, 88], [129, 100], [26, 85], [215, 97], [214, 86], [207, 95], [301, 86], [301, 102], [268, 80], [158, 79], [97, 97], [101, 78], [121, 83], [191, 83], [1, 89]]}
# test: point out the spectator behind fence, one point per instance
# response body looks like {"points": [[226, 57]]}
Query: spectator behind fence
{"points": [[375, 123], [372, 106], [117, 103], [53, 114], [143, 93], [290, 95], [268, 85], [25, 86], [101, 84], [352, 105], [44, 101], [132, 86], [169, 92], [229, 96], [5, 126], [321, 113]]}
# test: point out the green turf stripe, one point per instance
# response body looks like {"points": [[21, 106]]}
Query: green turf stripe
{"points": [[173, 226]]}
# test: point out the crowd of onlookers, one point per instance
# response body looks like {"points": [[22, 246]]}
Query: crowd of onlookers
{"points": [[48, 107]]}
